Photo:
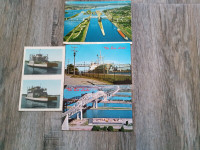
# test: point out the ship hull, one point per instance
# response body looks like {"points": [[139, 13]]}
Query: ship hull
{"points": [[122, 34], [46, 65], [47, 99]]}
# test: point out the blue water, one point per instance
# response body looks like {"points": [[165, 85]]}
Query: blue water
{"points": [[114, 98], [55, 70], [124, 93], [109, 105], [93, 113], [70, 94], [111, 33], [30, 104]]}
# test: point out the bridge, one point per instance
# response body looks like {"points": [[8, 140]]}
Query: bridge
{"points": [[83, 101]]}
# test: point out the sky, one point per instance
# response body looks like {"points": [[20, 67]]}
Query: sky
{"points": [[88, 53], [53, 54], [96, 2], [53, 86]]}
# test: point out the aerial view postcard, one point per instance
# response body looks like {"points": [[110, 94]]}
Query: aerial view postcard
{"points": [[43, 60], [98, 64], [41, 95], [97, 108], [97, 21]]}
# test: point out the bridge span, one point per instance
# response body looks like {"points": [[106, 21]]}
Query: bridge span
{"points": [[83, 101]]}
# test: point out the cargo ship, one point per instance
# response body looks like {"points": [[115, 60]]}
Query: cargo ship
{"points": [[38, 94], [40, 61], [122, 34]]}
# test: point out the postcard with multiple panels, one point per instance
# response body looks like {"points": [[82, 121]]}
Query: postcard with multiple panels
{"points": [[42, 79], [97, 92], [97, 21]]}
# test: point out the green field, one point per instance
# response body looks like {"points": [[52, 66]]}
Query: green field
{"points": [[71, 16], [111, 79], [78, 34], [121, 17]]}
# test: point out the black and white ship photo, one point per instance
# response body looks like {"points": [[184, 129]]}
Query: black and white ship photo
{"points": [[43, 61], [40, 95]]}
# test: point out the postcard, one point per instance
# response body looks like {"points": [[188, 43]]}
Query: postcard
{"points": [[42, 79], [41, 95], [97, 21], [40, 61], [97, 108], [98, 64]]}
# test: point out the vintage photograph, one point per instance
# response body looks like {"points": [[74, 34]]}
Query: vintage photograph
{"points": [[98, 64], [97, 21], [97, 108], [41, 95], [43, 61]]}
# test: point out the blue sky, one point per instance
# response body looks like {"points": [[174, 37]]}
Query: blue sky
{"points": [[53, 54], [96, 2], [53, 86], [88, 53]]}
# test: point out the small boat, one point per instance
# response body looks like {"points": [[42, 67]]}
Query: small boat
{"points": [[122, 34]]}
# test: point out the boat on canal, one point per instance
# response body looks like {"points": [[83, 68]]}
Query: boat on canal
{"points": [[122, 34]]}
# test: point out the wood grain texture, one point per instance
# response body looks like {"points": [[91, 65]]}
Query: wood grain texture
{"points": [[168, 1], [166, 58], [38, 23]]}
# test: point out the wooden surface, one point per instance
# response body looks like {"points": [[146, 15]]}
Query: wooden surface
{"points": [[166, 78], [166, 58]]}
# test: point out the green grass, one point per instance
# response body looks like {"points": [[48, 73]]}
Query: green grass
{"points": [[71, 36], [117, 79], [72, 16]]}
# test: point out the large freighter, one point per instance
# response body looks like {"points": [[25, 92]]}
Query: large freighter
{"points": [[40, 61], [38, 94]]}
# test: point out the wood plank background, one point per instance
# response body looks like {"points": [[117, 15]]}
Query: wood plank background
{"points": [[166, 68]]}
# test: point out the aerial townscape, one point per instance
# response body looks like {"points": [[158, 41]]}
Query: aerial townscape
{"points": [[97, 21]]}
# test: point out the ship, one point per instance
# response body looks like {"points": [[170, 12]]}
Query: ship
{"points": [[38, 94], [122, 34], [40, 61]]}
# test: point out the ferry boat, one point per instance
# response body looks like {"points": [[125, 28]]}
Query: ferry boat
{"points": [[40, 61], [122, 34], [38, 94]]}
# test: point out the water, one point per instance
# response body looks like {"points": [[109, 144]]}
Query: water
{"points": [[109, 105], [32, 104], [115, 98], [111, 33], [93, 113], [70, 94], [97, 113], [124, 93], [55, 70]]}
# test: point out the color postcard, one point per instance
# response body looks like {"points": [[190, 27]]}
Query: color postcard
{"points": [[97, 108], [97, 21], [43, 61], [98, 64], [42, 79]]}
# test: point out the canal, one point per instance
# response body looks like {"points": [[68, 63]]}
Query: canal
{"points": [[94, 33]]}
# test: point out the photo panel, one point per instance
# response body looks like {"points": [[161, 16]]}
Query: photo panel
{"points": [[97, 108], [98, 64], [42, 79], [43, 61], [97, 21], [41, 95]]}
